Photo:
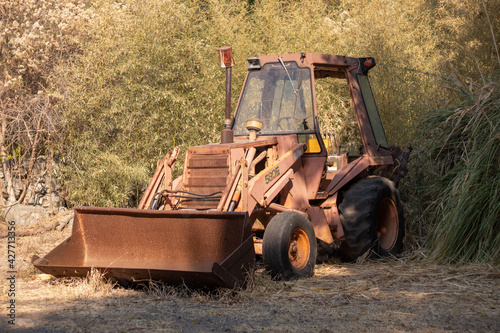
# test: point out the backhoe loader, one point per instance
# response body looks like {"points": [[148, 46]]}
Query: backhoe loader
{"points": [[273, 187]]}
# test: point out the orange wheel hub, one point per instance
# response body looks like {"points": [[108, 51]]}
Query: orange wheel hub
{"points": [[387, 224], [298, 249]]}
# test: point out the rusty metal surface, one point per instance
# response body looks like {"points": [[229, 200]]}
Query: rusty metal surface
{"points": [[259, 184], [206, 170], [353, 169], [198, 248], [313, 170], [243, 142], [162, 179], [320, 224]]}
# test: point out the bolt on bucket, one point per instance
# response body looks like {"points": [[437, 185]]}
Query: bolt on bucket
{"points": [[198, 248]]}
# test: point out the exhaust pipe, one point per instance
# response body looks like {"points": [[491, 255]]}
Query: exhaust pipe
{"points": [[227, 62]]}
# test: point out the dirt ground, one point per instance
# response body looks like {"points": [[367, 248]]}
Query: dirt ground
{"points": [[373, 296]]}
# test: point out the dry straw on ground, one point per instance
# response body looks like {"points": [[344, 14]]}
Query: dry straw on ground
{"points": [[377, 295]]}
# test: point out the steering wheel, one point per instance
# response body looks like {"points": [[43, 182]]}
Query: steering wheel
{"points": [[287, 119]]}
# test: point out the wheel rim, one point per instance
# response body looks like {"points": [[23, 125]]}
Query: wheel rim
{"points": [[387, 224], [298, 249]]}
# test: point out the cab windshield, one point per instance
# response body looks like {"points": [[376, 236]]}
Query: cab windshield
{"points": [[281, 100]]}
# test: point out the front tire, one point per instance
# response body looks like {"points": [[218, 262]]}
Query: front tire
{"points": [[289, 246], [372, 217]]}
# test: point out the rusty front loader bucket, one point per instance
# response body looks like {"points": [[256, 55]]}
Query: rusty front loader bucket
{"points": [[200, 248]]}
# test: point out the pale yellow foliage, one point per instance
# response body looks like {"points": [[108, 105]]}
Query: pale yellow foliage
{"points": [[138, 77], [33, 33]]}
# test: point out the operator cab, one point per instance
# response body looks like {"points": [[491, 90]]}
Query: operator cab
{"points": [[280, 96]]}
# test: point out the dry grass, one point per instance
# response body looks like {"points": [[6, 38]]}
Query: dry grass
{"points": [[385, 295], [94, 284]]}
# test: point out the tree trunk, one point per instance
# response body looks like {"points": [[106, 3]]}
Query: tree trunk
{"points": [[33, 157], [48, 177], [5, 165]]}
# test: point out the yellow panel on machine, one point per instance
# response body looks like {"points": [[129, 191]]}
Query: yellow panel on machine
{"points": [[312, 144]]}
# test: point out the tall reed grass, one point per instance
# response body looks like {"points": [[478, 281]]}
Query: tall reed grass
{"points": [[466, 191]]}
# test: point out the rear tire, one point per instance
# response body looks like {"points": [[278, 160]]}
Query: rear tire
{"points": [[372, 218], [289, 246]]}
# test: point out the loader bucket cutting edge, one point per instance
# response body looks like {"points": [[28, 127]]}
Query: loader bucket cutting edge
{"points": [[199, 248]]}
